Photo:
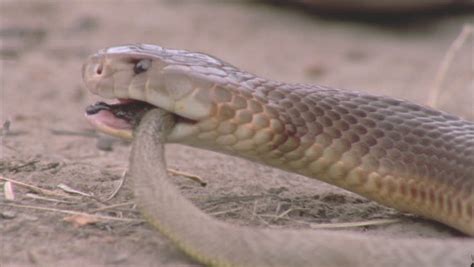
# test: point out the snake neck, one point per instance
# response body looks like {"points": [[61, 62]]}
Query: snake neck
{"points": [[216, 243], [400, 154]]}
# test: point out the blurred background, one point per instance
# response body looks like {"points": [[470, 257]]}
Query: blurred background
{"points": [[384, 47], [386, 50]]}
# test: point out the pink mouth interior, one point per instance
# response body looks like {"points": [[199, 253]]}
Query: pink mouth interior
{"points": [[120, 117], [108, 119]]}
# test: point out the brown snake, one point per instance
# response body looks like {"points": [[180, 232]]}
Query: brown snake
{"points": [[403, 155]]}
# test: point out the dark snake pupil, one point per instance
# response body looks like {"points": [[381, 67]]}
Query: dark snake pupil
{"points": [[142, 66]]}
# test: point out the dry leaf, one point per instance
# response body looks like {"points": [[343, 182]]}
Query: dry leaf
{"points": [[80, 220]]}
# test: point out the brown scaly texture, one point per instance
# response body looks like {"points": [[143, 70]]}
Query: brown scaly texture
{"points": [[219, 244], [403, 155]]}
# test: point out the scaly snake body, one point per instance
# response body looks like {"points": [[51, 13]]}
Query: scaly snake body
{"points": [[400, 154]]}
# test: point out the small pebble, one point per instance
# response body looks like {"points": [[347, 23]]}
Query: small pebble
{"points": [[105, 143], [29, 217], [315, 70], [278, 190], [8, 214]]}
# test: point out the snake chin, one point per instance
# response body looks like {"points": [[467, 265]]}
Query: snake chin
{"points": [[122, 116]]}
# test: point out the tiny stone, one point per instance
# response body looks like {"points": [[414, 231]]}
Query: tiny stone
{"points": [[278, 190], [105, 143], [29, 217], [117, 259], [8, 214]]}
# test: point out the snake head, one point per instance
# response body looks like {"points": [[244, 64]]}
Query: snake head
{"points": [[146, 76]]}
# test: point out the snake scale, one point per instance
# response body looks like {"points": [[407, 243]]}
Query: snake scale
{"points": [[403, 155]]}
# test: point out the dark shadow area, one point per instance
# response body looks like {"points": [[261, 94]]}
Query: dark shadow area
{"points": [[397, 20]]}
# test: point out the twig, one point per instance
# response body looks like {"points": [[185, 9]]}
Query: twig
{"points": [[225, 211], [68, 189], [8, 146], [35, 196], [254, 209], [113, 206], [188, 175], [260, 219], [277, 210], [435, 91], [101, 217], [26, 164], [37, 189], [209, 209], [73, 133], [228, 199], [117, 189], [283, 214], [13, 133], [353, 224]]}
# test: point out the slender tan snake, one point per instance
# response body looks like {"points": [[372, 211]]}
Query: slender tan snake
{"points": [[400, 154]]}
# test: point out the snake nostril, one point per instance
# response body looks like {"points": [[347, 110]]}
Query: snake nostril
{"points": [[98, 69]]}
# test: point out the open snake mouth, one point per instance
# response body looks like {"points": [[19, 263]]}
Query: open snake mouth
{"points": [[122, 116]]}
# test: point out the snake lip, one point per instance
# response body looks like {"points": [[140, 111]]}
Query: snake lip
{"points": [[130, 111], [122, 117], [96, 108]]}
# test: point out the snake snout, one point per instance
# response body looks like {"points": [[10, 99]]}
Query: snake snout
{"points": [[92, 73]]}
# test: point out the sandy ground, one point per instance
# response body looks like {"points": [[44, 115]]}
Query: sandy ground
{"points": [[43, 44]]}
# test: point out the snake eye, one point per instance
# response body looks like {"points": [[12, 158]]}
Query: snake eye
{"points": [[141, 66]]}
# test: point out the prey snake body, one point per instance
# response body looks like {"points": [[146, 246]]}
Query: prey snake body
{"points": [[400, 154]]}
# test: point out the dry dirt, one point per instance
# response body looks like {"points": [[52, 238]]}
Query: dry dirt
{"points": [[43, 44]]}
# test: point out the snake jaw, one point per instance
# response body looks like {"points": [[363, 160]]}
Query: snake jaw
{"points": [[107, 123], [123, 116], [117, 119]]}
